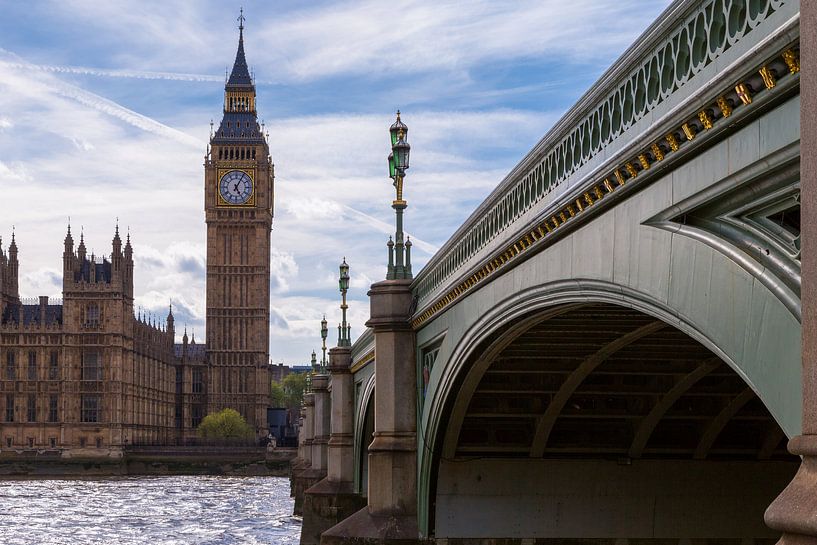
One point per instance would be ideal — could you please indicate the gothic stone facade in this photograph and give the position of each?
(89, 377)
(84, 375)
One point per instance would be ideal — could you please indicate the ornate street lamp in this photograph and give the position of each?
(396, 127)
(324, 334)
(398, 267)
(344, 329)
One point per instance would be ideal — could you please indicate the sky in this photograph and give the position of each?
(105, 111)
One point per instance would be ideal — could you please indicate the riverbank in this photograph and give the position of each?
(154, 461)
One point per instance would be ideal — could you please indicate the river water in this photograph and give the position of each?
(177, 510)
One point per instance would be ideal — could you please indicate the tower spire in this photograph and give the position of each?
(241, 73)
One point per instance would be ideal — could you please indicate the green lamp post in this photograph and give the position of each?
(344, 329)
(399, 267)
(324, 334)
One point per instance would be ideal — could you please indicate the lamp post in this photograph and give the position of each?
(324, 334)
(344, 329)
(399, 267)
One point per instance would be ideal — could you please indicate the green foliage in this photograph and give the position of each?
(289, 393)
(225, 424)
(294, 386)
(277, 395)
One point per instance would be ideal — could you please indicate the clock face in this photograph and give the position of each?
(235, 187)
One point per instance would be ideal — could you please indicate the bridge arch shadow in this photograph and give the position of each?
(581, 410)
(364, 435)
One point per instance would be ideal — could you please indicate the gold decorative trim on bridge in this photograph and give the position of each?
(738, 96)
(362, 362)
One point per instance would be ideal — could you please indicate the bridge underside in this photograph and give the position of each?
(605, 410)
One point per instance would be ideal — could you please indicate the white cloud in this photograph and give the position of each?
(361, 37)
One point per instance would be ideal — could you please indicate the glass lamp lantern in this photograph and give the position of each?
(401, 151)
(392, 167)
(394, 130)
(343, 282)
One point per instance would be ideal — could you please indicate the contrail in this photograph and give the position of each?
(388, 229)
(130, 117)
(109, 107)
(139, 74)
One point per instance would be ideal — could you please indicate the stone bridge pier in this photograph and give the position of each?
(333, 498)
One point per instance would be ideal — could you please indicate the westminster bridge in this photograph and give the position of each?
(609, 348)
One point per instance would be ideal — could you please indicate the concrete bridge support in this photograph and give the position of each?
(298, 463)
(320, 388)
(300, 473)
(391, 513)
(333, 498)
(794, 512)
(318, 402)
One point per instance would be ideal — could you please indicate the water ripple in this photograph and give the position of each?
(183, 510)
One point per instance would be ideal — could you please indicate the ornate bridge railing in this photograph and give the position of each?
(665, 90)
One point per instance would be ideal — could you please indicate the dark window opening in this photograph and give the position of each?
(53, 369)
(11, 373)
(196, 415)
(91, 367)
(53, 411)
(90, 408)
(32, 365)
(198, 381)
(9, 408)
(32, 408)
(92, 316)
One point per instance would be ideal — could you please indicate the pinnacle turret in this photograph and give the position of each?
(13, 247)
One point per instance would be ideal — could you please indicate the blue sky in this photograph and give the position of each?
(105, 110)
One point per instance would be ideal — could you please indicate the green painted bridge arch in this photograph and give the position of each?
(616, 330)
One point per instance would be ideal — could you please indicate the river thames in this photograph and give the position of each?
(178, 510)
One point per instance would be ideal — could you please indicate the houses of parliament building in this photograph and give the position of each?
(87, 376)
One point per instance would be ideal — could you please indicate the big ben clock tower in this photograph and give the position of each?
(238, 204)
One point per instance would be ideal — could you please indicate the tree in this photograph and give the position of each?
(225, 424)
(294, 386)
(277, 394)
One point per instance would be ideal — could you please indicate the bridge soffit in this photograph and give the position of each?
(552, 190)
(458, 374)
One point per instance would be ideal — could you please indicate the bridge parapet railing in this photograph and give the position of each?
(648, 82)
